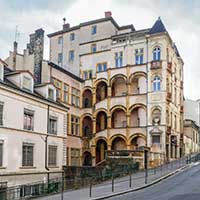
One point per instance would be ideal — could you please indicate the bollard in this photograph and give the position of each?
(90, 189)
(112, 183)
(130, 181)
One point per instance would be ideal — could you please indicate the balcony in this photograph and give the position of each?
(156, 64)
(121, 100)
(169, 67)
(169, 96)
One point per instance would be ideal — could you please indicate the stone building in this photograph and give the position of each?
(191, 137)
(123, 87)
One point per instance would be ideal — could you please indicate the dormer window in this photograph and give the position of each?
(51, 94)
(27, 83)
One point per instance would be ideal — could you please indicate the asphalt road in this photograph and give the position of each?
(183, 186)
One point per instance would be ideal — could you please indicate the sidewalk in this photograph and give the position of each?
(135, 181)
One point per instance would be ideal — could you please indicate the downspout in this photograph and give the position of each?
(147, 50)
(46, 146)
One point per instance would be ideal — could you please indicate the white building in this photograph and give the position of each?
(32, 129)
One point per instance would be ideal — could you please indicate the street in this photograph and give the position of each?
(183, 186)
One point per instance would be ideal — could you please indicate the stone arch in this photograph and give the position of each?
(118, 142)
(87, 158)
(87, 98)
(119, 85)
(101, 147)
(118, 117)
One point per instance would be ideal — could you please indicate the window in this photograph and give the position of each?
(26, 83)
(51, 94)
(60, 40)
(94, 30)
(119, 59)
(66, 93)
(71, 55)
(1, 153)
(52, 125)
(93, 48)
(138, 56)
(156, 139)
(101, 67)
(27, 155)
(52, 155)
(87, 75)
(156, 53)
(1, 113)
(75, 97)
(28, 119)
(156, 83)
(60, 58)
(57, 84)
(75, 125)
(72, 36)
(75, 157)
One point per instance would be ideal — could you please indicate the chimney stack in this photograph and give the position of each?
(66, 26)
(14, 54)
(108, 14)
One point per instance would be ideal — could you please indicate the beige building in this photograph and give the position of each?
(123, 87)
(191, 137)
(32, 129)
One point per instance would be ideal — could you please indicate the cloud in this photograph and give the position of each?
(181, 19)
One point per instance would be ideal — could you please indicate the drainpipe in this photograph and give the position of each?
(147, 50)
(46, 147)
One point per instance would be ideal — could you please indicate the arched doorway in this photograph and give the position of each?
(101, 91)
(101, 121)
(87, 159)
(87, 126)
(118, 144)
(101, 147)
(87, 99)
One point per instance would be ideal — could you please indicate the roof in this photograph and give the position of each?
(93, 22)
(158, 27)
(5, 64)
(10, 73)
(65, 71)
(9, 84)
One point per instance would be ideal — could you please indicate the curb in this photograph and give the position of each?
(143, 187)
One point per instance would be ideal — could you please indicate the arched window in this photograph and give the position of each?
(156, 83)
(156, 53)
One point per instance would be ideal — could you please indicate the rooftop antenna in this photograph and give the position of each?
(64, 20)
(17, 33)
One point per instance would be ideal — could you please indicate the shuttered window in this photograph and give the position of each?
(52, 156)
(27, 155)
(1, 114)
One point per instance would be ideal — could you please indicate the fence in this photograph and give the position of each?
(95, 180)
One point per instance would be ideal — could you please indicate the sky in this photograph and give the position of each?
(181, 19)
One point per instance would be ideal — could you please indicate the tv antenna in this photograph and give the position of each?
(17, 32)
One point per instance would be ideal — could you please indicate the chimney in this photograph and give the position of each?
(14, 54)
(36, 47)
(66, 26)
(108, 14)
